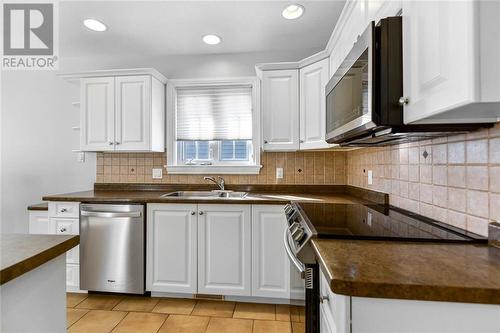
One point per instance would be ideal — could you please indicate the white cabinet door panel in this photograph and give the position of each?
(224, 249)
(171, 260)
(438, 48)
(39, 222)
(270, 264)
(280, 110)
(313, 80)
(133, 112)
(97, 109)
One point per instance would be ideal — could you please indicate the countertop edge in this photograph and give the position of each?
(9, 273)
(407, 291)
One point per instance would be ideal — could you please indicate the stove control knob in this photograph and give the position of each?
(298, 234)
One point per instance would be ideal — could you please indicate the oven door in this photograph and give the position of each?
(349, 101)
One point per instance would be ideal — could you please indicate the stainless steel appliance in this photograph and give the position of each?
(364, 106)
(355, 221)
(112, 248)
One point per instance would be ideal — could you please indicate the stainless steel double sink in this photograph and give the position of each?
(216, 194)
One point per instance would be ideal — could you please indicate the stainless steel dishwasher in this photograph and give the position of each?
(112, 248)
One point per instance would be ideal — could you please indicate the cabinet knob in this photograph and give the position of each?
(62, 229)
(265, 141)
(110, 143)
(117, 143)
(323, 299)
(192, 213)
(201, 213)
(63, 210)
(403, 100)
(301, 141)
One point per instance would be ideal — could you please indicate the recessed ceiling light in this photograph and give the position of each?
(94, 25)
(212, 39)
(293, 12)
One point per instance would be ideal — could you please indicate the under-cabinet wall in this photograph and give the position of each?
(458, 183)
(321, 167)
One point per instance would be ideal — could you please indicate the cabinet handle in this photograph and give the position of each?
(62, 229)
(63, 210)
(111, 143)
(301, 141)
(117, 143)
(323, 299)
(403, 101)
(201, 213)
(265, 141)
(192, 213)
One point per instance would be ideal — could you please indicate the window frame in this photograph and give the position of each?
(229, 166)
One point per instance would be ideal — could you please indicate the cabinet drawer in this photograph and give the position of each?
(72, 277)
(64, 209)
(66, 226)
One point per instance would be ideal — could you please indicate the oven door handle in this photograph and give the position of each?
(300, 266)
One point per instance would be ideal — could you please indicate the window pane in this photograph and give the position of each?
(189, 150)
(203, 150)
(241, 150)
(227, 150)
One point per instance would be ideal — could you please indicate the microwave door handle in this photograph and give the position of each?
(110, 214)
(293, 258)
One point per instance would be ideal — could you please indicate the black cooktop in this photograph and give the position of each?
(356, 221)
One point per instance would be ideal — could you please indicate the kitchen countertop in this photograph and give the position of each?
(416, 271)
(20, 253)
(41, 206)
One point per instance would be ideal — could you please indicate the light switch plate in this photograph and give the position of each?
(279, 173)
(370, 177)
(157, 173)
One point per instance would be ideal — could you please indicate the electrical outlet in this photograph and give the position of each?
(279, 173)
(157, 173)
(370, 177)
(80, 157)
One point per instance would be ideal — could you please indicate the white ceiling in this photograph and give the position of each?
(159, 28)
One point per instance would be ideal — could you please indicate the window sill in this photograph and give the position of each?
(212, 169)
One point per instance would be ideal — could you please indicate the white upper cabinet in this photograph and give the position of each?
(450, 60)
(97, 114)
(122, 113)
(313, 79)
(171, 248)
(224, 249)
(280, 110)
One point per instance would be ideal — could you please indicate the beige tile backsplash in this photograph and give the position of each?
(324, 167)
(458, 183)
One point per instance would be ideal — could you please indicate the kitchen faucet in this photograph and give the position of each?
(221, 183)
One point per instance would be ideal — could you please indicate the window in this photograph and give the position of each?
(214, 126)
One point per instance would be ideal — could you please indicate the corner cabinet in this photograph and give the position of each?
(313, 80)
(451, 72)
(224, 250)
(280, 110)
(171, 248)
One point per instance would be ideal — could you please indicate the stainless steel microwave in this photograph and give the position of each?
(364, 103)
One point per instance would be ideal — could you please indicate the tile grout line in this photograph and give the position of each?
(67, 328)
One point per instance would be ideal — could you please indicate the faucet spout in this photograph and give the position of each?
(220, 182)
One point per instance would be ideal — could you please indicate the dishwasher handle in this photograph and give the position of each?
(110, 214)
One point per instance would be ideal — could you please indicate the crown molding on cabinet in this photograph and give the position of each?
(292, 64)
(76, 76)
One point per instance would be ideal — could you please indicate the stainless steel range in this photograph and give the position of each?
(355, 221)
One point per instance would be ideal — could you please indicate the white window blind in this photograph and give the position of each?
(214, 113)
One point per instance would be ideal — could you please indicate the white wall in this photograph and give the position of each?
(36, 138)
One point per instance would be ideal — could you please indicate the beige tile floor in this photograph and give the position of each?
(124, 314)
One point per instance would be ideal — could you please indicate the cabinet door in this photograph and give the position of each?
(438, 62)
(39, 222)
(313, 80)
(224, 249)
(97, 114)
(280, 110)
(270, 264)
(133, 112)
(68, 227)
(171, 248)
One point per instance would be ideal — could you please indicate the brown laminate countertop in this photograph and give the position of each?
(20, 253)
(416, 271)
(41, 206)
(155, 197)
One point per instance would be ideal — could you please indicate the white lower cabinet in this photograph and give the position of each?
(270, 264)
(171, 260)
(335, 313)
(39, 222)
(230, 250)
(224, 250)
